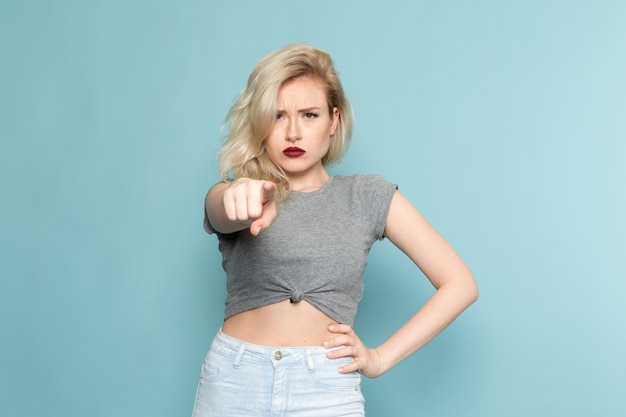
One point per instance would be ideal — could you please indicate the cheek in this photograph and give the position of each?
(325, 145)
(271, 141)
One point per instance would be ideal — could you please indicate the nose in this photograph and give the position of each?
(293, 131)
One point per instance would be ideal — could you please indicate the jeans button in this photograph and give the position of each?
(277, 355)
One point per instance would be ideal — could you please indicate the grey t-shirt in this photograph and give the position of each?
(315, 250)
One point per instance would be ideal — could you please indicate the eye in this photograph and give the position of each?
(279, 116)
(310, 115)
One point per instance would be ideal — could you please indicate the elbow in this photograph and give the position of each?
(466, 289)
(474, 295)
(463, 290)
(472, 290)
(462, 287)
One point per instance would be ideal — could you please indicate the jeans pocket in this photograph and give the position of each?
(217, 367)
(326, 376)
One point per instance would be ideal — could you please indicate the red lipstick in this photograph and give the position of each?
(293, 152)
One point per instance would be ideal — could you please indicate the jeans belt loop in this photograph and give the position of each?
(240, 353)
(309, 360)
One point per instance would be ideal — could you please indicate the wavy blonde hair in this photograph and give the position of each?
(252, 117)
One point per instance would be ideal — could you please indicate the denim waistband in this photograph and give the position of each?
(239, 350)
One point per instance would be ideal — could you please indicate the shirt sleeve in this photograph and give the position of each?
(207, 225)
(376, 195)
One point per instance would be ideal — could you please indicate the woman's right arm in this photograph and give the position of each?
(241, 204)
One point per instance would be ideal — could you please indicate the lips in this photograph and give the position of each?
(293, 152)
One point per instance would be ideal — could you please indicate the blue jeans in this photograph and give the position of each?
(240, 379)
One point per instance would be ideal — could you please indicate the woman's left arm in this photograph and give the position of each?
(455, 288)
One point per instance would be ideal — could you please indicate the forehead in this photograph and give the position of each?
(302, 91)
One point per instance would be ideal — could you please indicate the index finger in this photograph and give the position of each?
(269, 189)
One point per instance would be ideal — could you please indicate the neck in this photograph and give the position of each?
(310, 183)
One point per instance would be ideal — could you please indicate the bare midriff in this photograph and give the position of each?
(282, 324)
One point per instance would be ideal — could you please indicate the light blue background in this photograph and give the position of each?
(504, 122)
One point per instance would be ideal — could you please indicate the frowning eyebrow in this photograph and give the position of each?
(303, 110)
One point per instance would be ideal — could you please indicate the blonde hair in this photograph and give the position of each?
(251, 119)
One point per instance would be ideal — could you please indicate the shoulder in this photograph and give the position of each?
(362, 181)
(366, 189)
(369, 197)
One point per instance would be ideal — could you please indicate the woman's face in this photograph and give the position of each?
(301, 134)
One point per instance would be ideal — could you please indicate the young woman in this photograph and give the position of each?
(295, 241)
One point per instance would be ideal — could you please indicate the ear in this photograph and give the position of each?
(334, 121)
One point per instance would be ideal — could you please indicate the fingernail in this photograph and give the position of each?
(331, 327)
